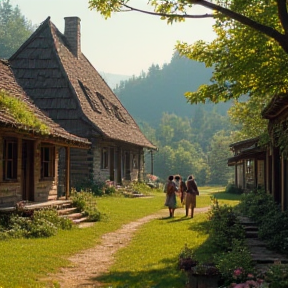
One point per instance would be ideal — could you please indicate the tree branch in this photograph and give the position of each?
(282, 39)
(168, 15)
(282, 13)
(273, 33)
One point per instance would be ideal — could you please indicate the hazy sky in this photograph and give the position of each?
(127, 43)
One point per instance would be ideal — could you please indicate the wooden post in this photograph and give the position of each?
(267, 175)
(67, 192)
(282, 184)
(152, 168)
(236, 175)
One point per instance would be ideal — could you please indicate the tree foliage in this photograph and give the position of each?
(151, 93)
(218, 156)
(187, 146)
(248, 55)
(14, 29)
(183, 133)
(238, 11)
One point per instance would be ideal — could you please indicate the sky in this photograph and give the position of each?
(127, 43)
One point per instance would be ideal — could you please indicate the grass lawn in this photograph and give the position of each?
(150, 259)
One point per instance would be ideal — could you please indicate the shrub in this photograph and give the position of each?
(237, 259)
(272, 222)
(96, 188)
(224, 226)
(42, 223)
(51, 216)
(256, 204)
(277, 276)
(233, 189)
(85, 201)
(40, 227)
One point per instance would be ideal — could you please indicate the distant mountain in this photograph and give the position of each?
(113, 79)
(161, 90)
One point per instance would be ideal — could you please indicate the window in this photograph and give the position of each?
(47, 162)
(250, 172)
(118, 114)
(104, 158)
(90, 97)
(111, 109)
(135, 161)
(10, 159)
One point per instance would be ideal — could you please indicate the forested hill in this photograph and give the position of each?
(149, 95)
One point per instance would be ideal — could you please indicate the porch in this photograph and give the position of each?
(28, 205)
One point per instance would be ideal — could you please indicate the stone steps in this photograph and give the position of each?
(261, 256)
(66, 211)
(63, 206)
(70, 212)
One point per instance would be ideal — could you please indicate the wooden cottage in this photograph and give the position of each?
(29, 146)
(62, 82)
(277, 164)
(249, 162)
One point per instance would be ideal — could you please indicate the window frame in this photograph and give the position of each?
(135, 161)
(47, 165)
(10, 171)
(105, 158)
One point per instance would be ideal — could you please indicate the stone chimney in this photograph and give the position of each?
(73, 35)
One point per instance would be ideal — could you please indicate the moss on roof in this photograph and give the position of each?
(21, 113)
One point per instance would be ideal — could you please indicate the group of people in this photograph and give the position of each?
(186, 191)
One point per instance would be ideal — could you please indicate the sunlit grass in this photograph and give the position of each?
(24, 261)
(150, 259)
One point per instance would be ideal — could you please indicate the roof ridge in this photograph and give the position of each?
(31, 37)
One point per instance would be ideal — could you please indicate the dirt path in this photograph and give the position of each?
(93, 262)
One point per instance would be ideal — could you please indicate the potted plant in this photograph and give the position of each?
(205, 275)
(186, 259)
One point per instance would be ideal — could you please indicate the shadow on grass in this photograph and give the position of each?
(226, 196)
(168, 277)
(175, 220)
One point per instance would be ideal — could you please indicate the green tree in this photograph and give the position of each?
(245, 62)
(164, 162)
(14, 29)
(190, 159)
(205, 124)
(238, 11)
(221, 173)
(173, 128)
(249, 55)
(183, 148)
(245, 115)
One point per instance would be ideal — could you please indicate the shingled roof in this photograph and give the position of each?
(55, 133)
(63, 80)
(275, 107)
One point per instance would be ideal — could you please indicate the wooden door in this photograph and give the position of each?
(27, 170)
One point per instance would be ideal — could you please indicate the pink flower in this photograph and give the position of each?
(241, 285)
(250, 276)
(237, 272)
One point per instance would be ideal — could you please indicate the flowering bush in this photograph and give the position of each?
(152, 178)
(244, 280)
(152, 181)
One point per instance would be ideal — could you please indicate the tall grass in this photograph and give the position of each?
(151, 255)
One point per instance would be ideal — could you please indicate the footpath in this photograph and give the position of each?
(261, 256)
(89, 264)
